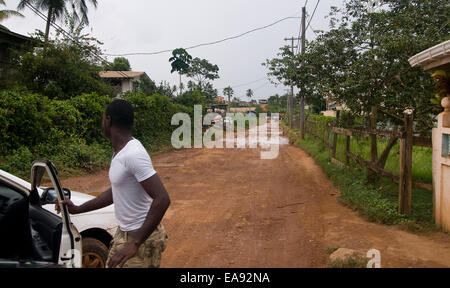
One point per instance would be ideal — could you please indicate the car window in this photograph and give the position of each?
(8, 197)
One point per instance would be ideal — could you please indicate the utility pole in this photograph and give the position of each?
(290, 102)
(302, 98)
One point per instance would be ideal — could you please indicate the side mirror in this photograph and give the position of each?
(49, 195)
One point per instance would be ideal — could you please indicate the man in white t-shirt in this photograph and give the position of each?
(139, 197)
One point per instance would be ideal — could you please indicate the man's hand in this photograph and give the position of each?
(73, 209)
(123, 255)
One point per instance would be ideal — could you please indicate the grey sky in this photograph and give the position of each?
(147, 26)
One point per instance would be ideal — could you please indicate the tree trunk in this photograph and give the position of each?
(372, 176)
(181, 88)
(385, 155)
(49, 21)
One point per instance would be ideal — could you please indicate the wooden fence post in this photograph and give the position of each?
(347, 142)
(302, 118)
(335, 136)
(405, 183)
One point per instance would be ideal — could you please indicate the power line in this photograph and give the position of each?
(260, 87)
(209, 43)
(245, 84)
(307, 26)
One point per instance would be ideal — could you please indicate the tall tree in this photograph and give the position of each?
(202, 71)
(180, 62)
(228, 91)
(5, 14)
(55, 10)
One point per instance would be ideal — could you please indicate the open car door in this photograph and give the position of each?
(71, 247)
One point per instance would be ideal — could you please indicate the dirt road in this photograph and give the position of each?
(232, 209)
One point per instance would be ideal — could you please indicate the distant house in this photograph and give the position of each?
(264, 101)
(220, 99)
(332, 106)
(124, 81)
(9, 39)
(242, 110)
(244, 104)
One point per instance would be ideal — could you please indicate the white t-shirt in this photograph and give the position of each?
(129, 167)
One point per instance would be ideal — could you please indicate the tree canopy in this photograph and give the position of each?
(119, 64)
(56, 9)
(362, 61)
(201, 70)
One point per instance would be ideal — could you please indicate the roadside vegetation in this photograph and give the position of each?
(52, 101)
(360, 66)
(376, 202)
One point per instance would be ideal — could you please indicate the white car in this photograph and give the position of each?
(50, 234)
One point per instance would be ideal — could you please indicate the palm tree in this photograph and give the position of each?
(228, 91)
(5, 14)
(249, 93)
(56, 10)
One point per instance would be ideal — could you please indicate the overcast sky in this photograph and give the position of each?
(148, 26)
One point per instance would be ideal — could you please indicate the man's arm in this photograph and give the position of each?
(161, 202)
(103, 200)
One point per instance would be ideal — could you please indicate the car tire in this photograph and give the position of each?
(95, 253)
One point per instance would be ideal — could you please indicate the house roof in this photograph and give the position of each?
(7, 36)
(122, 74)
(433, 58)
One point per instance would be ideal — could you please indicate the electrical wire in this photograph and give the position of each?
(59, 28)
(245, 84)
(208, 43)
(312, 16)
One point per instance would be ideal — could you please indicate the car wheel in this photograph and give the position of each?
(95, 253)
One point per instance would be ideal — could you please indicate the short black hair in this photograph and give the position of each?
(121, 113)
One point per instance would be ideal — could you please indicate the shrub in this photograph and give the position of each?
(27, 121)
(19, 162)
(153, 115)
(91, 108)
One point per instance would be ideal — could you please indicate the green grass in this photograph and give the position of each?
(377, 203)
(355, 261)
(422, 156)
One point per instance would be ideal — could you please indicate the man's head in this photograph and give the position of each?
(118, 118)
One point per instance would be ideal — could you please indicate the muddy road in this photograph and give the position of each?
(232, 209)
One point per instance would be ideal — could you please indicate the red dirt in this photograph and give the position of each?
(232, 209)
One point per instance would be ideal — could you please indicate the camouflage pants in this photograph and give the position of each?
(149, 253)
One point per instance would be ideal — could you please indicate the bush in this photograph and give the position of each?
(60, 71)
(91, 108)
(19, 162)
(64, 117)
(27, 121)
(153, 115)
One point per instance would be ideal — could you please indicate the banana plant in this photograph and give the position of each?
(5, 14)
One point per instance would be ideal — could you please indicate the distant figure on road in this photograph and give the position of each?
(139, 197)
